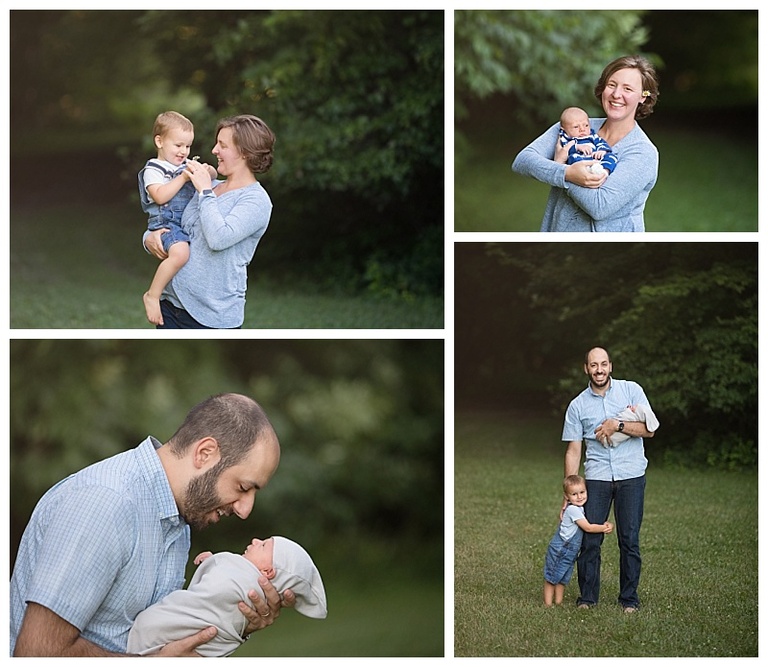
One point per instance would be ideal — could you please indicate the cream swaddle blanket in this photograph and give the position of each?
(637, 413)
(219, 583)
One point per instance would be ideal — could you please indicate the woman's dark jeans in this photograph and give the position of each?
(627, 497)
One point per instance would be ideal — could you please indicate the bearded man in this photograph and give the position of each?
(107, 542)
(615, 475)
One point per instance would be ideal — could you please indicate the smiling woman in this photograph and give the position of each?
(225, 221)
(581, 200)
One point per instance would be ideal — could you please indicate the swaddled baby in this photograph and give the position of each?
(632, 413)
(220, 582)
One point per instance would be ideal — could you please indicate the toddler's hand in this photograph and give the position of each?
(186, 172)
(201, 557)
(608, 527)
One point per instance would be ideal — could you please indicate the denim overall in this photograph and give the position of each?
(168, 215)
(561, 557)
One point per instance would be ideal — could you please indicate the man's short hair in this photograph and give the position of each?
(235, 421)
(596, 347)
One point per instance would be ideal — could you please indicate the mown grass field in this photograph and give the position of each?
(84, 268)
(373, 612)
(699, 543)
(697, 189)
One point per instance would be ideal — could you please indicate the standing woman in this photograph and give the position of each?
(581, 201)
(225, 221)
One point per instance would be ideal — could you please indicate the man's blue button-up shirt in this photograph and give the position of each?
(101, 546)
(586, 412)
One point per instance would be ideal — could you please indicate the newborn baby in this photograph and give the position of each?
(632, 413)
(220, 582)
(585, 144)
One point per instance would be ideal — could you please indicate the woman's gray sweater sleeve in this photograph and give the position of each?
(636, 171)
(536, 160)
(615, 206)
(249, 216)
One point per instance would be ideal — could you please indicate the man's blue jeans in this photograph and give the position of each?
(627, 497)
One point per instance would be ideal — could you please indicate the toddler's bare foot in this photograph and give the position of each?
(152, 306)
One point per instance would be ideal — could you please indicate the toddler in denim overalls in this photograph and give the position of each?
(165, 191)
(564, 546)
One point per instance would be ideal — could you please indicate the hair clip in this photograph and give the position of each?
(646, 93)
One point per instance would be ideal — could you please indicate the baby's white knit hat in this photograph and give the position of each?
(295, 570)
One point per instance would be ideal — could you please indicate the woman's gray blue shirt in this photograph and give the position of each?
(616, 206)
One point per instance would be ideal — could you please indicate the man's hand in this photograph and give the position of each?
(185, 648)
(264, 611)
(604, 432)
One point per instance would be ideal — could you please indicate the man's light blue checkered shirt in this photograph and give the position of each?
(586, 412)
(101, 546)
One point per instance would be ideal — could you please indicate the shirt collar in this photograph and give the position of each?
(607, 391)
(157, 480)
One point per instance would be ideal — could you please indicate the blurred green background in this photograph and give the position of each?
(516, 70)
(681, 319)
(360, 482)
(356, 101)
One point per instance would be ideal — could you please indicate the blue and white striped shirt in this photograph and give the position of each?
(101, 546)
(586, 412)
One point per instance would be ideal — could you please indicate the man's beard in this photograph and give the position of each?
(202, 498)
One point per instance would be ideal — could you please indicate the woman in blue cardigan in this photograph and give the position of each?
(225, 220)
(581, 200)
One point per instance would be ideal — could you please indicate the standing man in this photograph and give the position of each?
(112, 539)
(614, 475)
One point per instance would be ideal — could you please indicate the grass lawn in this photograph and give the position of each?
(385, 596)
(364, 620)
(75, 268)
(698, 590)
(695, 191)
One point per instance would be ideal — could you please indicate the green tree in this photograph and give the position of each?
(85, 73)
(546, 59)
(360, 422)
(356, 98)
(680, 319)
(695, 337)
(356, 101)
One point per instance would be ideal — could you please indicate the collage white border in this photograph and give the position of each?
(451, 237)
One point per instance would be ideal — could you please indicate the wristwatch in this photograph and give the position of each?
(207, 193)
(621, 426)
